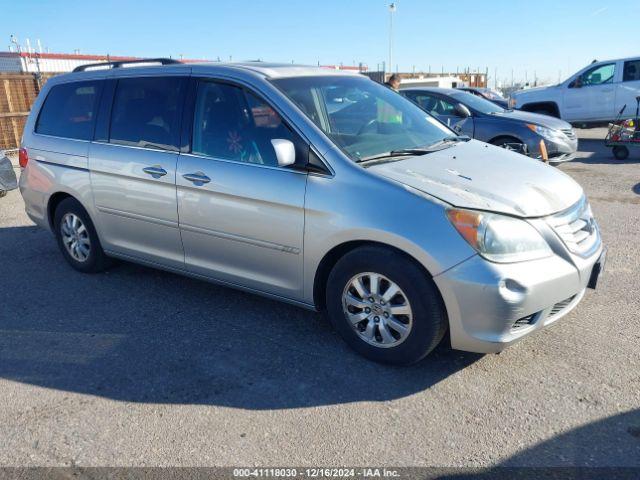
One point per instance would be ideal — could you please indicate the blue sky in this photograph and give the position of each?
(545, 37)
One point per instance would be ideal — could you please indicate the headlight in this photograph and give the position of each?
(548, 133)
(499, 238)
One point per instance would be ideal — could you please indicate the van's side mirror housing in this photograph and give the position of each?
(462, 110)
(285, 151)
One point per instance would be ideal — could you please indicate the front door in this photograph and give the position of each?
(133, 170)
(591, 95)
(241, 215)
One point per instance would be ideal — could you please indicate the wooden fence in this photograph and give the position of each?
(17, 93)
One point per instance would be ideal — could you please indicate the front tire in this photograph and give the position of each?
(384, 306)
(510, 143)
(620, 152)
(77, 238)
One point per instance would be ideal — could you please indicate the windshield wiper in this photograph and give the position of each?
(417, 151)
(447, 141)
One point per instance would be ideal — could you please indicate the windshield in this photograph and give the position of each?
(492, 94)
(362, 117)
(477, 103)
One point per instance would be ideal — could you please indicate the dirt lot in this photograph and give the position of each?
(141, 367)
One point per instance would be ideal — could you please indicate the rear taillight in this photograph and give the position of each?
(23, 157)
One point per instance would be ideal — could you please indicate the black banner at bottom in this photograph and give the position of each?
(399, 473)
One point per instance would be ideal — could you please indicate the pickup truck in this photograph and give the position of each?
(594, 95)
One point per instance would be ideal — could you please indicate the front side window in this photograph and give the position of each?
(436, 106)
(599, 75)
(426, 102)
(146, 112)
(233, 124)
(69, 110)
(631, 71)
(361, 116)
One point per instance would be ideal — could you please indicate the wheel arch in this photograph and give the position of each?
(549, 106)
(55, 200)
(337, 252)
(504, 136)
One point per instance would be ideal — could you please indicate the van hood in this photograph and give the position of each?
(480, 176)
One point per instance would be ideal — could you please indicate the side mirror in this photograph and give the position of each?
(462, 110)
(285, 151)
(577, 83)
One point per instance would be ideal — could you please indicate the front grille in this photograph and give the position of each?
(577, 228)
(524, 322)
(570, 133)
(558, 307)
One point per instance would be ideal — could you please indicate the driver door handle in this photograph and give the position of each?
(156, 171)
(197, 178)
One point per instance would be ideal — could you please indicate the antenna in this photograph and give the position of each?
(392, 9)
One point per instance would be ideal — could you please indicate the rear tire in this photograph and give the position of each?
(620, 152)
(77, 238)
(401, 329)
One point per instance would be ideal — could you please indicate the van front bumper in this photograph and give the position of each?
(491, 306)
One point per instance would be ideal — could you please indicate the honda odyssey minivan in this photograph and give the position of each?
(316, 187)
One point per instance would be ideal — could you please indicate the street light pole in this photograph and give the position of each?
(392, 9)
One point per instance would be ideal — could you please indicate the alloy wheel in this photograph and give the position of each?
(377, 309)
(75, 237)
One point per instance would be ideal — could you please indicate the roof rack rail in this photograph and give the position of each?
(120, 63)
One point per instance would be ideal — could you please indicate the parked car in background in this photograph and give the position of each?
(8, 179)
(487, 94)
(484, 120)
(594, 95)
(369, 209)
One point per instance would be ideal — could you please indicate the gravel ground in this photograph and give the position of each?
(141, 367)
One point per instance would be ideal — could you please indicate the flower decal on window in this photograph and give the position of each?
(235, 142)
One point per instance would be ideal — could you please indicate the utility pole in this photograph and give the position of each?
(392, 9)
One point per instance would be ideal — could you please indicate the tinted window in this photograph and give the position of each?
(146, 112)
(631, 71)
(69, 110)
(236, 125)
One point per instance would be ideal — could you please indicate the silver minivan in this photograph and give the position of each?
(317, 187)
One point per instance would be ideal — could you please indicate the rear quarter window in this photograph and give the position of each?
(69, 110)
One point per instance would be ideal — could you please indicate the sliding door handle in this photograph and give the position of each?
(197, 178)
(156, 171)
